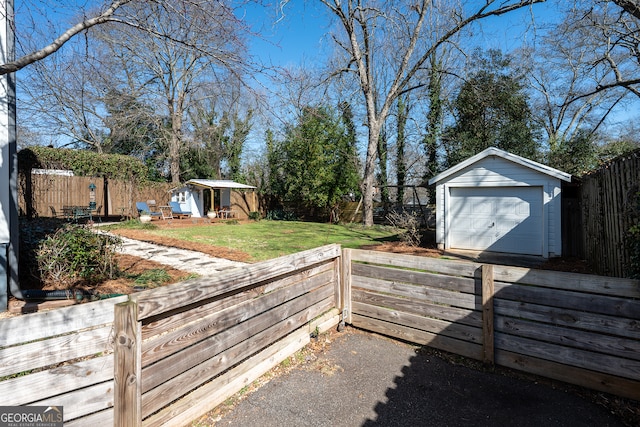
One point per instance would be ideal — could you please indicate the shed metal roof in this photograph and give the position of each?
(492, 151)
(218, 183)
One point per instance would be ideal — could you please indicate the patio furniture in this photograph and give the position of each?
(54, 213)
(226, 213)
(143, 207)
(166, 213)
(177, 210)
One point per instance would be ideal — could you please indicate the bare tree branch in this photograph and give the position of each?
(30, 58)
(630, 6)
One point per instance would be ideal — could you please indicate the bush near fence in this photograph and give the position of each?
(167, 355)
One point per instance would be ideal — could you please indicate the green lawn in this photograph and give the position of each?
(270, 239)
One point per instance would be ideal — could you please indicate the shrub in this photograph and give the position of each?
(281, 215)
(75, 252)
(408, 226)
(254, 216)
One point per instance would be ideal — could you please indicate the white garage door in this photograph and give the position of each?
(498, 219)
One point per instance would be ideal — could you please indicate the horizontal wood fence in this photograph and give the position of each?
(610, 199)
(62, 357)
(168, 355)
(183, 349)
(577, 328)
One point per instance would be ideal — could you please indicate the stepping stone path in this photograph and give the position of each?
(181, 259)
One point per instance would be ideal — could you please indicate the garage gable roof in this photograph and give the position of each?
(492, 151)
(218, 183)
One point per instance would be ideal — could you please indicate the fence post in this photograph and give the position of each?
(127, 402)
(487, 314)
(346, 286)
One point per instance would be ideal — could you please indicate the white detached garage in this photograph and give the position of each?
(499, 202)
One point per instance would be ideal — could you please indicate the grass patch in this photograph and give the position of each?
(150, 278)
(131, 224)
(268, 239)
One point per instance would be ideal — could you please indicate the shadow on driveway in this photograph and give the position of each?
(363, 379)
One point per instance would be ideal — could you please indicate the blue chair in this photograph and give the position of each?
(143, 207)
(177, 210)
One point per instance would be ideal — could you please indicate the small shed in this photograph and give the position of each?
(500, 202)
(200, 196)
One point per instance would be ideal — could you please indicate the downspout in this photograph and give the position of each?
(9, 256)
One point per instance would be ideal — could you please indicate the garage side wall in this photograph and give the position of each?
(498, 172)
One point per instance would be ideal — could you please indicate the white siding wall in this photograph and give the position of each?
(495, 171)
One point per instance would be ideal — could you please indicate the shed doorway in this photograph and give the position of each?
(211, 199)
(497, 219)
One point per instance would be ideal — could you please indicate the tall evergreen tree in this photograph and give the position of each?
(313, 167)
(491, 110)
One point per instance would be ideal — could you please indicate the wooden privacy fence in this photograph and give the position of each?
(45, 194)
(577, 328)
(183, 349)
(610, 199)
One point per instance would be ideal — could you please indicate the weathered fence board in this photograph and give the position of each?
(526, 319)
(418, 336)
(55, 381)
(38, 326)
(418, 292)
(204, 328)
(603, 324)
(53, 350)
(609, 198)
(173, 297)
(196, 333)
(179, 386)
(590, 379)
(553, 334)
(195, 355)
(61, 357)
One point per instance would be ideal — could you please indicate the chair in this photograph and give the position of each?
(177, 210)
(166, 212)
(54, 213)
(143, 207)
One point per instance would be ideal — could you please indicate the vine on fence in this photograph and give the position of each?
(83, 163)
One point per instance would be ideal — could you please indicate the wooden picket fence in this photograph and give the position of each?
(166, 356)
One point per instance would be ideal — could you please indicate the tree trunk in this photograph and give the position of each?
(175, 144)
(368, 189)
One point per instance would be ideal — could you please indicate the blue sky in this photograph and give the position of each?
(301, 34)
(292, 35)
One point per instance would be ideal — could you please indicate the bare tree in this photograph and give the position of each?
(562, 80)
(366, 25)
(630, 6)
(102, 14)
(613, 36)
